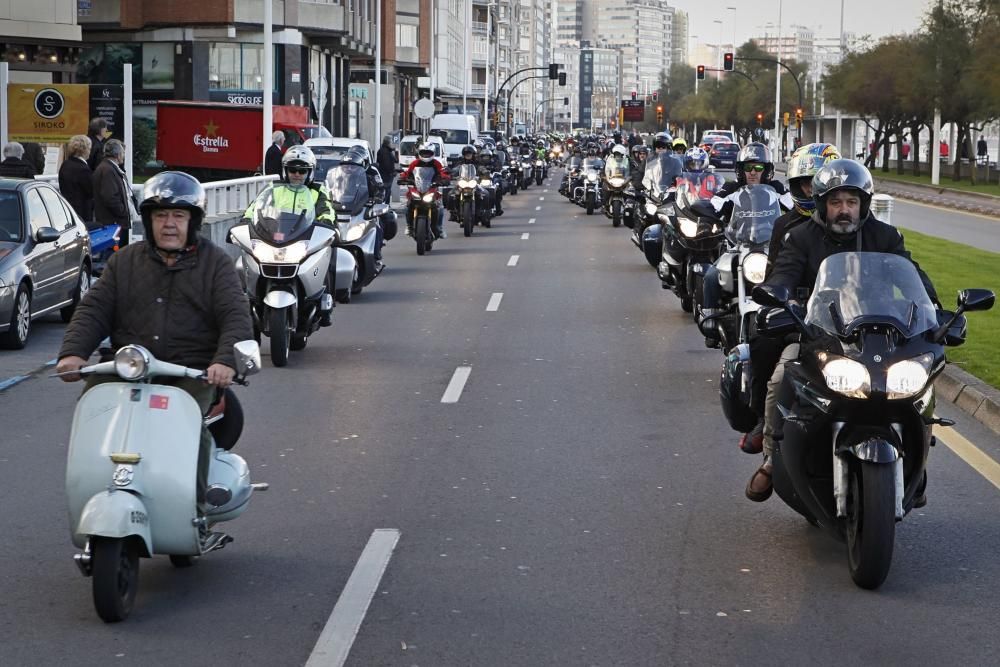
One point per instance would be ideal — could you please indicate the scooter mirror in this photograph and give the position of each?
(775, 296)
(975, 299)
(247, 357)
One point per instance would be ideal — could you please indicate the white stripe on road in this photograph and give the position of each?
(531, 222)
(524, 236)
(541, 199)
(334, 643)
(457, 384)
(513, 260)
(494, 304)
(538, 208)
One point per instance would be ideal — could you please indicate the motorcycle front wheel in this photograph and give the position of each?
(115, 570)
(280, 340)
(590, 203)
(871, 522)
(468, 217)
(420, 234)
(616, 213)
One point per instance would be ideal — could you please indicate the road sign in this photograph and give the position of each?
(633, 110)
(423, 109)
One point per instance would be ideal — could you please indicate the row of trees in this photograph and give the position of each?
(952, 63)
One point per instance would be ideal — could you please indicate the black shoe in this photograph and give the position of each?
(499, 212)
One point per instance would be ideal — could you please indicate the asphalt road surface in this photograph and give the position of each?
(579, 503)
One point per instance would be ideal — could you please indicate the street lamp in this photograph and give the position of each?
(733, 10)
(719, 47)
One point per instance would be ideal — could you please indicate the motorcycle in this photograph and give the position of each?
(469, 198)
(858, 403)
(588, 194)
(284, 265)
(572, 177)
(103, 243)
(526, 171)
(616, 174)
(660, 177)
(514, 181)
(742, 265)
(143, 501)
(540, 171)
(424, 209)
(357, 221)
(691, 242)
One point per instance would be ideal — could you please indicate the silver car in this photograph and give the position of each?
(45, 262)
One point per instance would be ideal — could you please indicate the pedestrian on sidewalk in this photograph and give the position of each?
(982, 152)
(13, 166)
(114, 203)
(272, 159)
(98, 133)
(385, 162)
(76, 179)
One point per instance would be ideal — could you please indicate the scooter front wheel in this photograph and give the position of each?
(115, 567)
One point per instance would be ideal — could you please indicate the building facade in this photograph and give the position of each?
(40, 40)
(600, 87)
(643, 31)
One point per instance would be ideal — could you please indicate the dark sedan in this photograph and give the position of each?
(45, 260)
(723, 154)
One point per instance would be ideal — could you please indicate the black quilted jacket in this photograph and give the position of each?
(191, 313)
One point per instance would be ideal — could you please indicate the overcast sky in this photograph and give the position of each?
(875, 17)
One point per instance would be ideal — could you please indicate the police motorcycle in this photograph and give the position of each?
(470, 198)
(424, 210)
(858, 402)
(131, 472)
(574, 171)
(588, 193)
(741, 266)
(660, 178)
(514, 175)
(357, 222)
(284, 264)
(527, 169)
(692, 240)
(616, 180)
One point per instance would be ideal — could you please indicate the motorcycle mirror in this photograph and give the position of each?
(774, 296)
(247, 357)
(975, 299)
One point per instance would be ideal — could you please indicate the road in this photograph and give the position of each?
(580, 504)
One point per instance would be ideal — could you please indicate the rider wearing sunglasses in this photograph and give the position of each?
(753, 167)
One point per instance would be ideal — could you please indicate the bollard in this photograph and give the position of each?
(882, 207)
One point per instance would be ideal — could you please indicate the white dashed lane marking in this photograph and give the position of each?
(457, 384)
(531, 222)
(513, 260)
(524, 236)
(494, 304)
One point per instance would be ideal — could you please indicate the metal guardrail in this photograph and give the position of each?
(223, 197)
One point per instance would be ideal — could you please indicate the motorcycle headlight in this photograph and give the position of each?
(754, 267)
(591, 176)
(538, 163)
(131, 363)
(354, 233)
(429, 197)
(847, 377)
(909, 377)
(486, 182)
(689, 228)
(650, 208)
(616, 182)
(289, 254)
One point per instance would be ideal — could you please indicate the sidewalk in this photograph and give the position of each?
(971, 202)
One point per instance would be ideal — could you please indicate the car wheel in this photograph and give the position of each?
(82, 287)
(16, 337)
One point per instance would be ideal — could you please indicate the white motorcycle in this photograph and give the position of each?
(131, 474)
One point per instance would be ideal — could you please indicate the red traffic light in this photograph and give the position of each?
(655, 95)
(727, 62)
(634, 94)
(701, 72)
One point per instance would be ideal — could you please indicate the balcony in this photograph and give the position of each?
(479, 27)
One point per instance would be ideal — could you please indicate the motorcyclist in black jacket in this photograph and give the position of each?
(842, 222)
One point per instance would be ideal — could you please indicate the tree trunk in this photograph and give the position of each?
(973, 167)
(916, 148)
(956, 172)
(899, 152)
(886, 147)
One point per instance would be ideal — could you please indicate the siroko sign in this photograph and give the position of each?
(46, 113)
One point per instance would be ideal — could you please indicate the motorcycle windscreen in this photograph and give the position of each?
(348, 186)
(423, 178)
(575, 161)
(696, 186)
(616, 168)
(661, 173)
(594, 163)
(468, 172)
(754, 212)
(283, 218)
(856, 288)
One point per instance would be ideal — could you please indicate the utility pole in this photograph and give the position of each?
(777, 85)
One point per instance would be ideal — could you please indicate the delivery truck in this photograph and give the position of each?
(215, 141)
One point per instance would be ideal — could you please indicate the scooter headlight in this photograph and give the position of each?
(650, 208)
(429, 197)
(616, 182)
(354, 233)
(132, 363)
(846, 376)
(689, 228)
(289, 254)
(591, 176)
(908, 377)
(754, 267)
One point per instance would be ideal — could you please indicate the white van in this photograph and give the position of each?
(411, 142)
(456, 130)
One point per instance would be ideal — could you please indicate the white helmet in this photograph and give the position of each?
(297, 158)
(619, 151)
(426, 152)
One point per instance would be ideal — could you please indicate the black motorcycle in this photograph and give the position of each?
(858, 402)
(588, 193)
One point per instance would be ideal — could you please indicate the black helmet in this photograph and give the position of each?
(842, 174)
(639, 148)
(173, 189)
(356, 155)
(754, 152)
(468, 152)
(661, 140)
(486, 156)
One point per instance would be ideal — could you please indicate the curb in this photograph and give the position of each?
(964, 201)
(971, 395)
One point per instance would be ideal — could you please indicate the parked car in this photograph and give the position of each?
(723, 154)
(45, 260)
(411, 142)
(334, 148)
(709, 140)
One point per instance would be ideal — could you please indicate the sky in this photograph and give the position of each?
(877, 18)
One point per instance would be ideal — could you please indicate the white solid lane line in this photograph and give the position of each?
(494, 304)
(531, 222)
(513, 260)
(457, 384)
(524, 236)
(334, 643)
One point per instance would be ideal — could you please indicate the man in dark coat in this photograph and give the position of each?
(98, 133)
(272, 159)
(113, 202)
(13, 166)
(76, 180)
(385, 161)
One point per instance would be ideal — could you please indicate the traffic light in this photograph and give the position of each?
(659, 114)
(553, 71)
(634, 94)
(760, 120)
(655, 95)
(727, 62)
(701, 72)
(785, 118)
(798, 117)
(562, 78)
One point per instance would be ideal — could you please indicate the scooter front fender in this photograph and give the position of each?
(279, 299)
(116, 514)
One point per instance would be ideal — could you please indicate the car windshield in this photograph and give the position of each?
(316, 132)
(616, 167)
(10, 216)
(285, 218)
(453, 136)
(408, 148)
(323, 167)
(348, 186)
(331, 152)
(423, 178)
(855, 288)
(755, 209)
